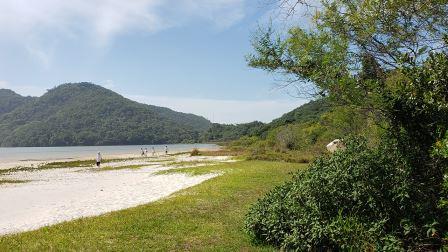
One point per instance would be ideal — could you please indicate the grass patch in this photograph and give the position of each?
(177, 154)
(109, 168)
(66, 164)
(201, 170)
(206, 217)
(52, 165)
(79, 164)
(12, 181)
(192, 163)
(160, 160)
(223, 152)
(288, 156)
(15, 169)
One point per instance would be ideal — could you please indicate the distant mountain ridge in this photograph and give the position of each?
(88, 114)
(9, 100)
(308, 112)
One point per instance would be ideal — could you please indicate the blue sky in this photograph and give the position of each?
(185, 54)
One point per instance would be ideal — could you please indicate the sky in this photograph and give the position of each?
(188, 55)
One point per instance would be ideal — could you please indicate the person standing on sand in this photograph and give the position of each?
(153, 151)
(166, 150)
(142, 152)
(146, 152)
(98, 159)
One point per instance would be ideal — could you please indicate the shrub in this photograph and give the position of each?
(195, 152)
(357, 199)
(286, 139)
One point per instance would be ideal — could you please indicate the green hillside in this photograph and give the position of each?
(309, 112)
(87, 114)
(9, 100)
(302, 134)
(227, 132)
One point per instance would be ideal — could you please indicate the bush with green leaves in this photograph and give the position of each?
(358, 199)
(389, 58)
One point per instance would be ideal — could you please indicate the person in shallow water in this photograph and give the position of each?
(98, 159)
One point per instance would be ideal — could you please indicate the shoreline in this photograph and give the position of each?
(115, 154)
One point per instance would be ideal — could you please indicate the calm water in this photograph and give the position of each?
(19, 154)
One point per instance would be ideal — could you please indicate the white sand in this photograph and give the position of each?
(59, 195)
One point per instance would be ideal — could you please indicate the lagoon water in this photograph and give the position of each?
(18, 155)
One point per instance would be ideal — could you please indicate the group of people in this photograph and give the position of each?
(144, 153)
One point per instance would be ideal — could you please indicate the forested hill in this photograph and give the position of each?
(87, 114)
(227, 132)
(307, 113)
(9, 100)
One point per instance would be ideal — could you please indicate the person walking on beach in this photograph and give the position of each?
(166, 150)
(153, 151)
(146, 152)
(99, 158)
(142, 152)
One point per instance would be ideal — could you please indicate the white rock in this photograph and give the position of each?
(335, 145)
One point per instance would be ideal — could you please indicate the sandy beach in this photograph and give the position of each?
(57, 195)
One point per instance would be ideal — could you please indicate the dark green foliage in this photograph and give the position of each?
(357, 199)
(391, 196)
(226, 132)
(306, 134)
(418, 115)
(9, 101)
(87, 114)
(308, 112)
(389, 59)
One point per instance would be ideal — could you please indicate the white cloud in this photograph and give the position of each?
(223, 13)
(109, 84)
(104, 19)
(41, 55)
(38, 25)
(24, 90)
(4, 84)
(224, 111)
(27, 90)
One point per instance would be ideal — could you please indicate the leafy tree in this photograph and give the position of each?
(388, 58)
(350, 37)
